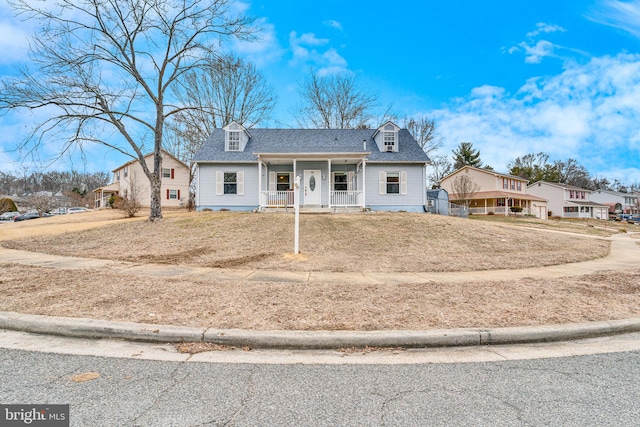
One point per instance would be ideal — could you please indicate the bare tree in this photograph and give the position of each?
(424, 131)
(439, 167)
(109, 65)
(464, 189)
(42, 202)
(226, 89)
(129, 203)
(335, 101)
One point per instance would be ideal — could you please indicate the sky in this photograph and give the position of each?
(512, 77)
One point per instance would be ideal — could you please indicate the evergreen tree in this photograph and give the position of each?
(466, 155)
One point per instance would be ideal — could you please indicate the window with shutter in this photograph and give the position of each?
(393, 182)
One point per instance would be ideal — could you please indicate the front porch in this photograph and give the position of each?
(103, 194)
(501, 206)
(327, 184)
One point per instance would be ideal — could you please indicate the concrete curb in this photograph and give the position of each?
(312, 340)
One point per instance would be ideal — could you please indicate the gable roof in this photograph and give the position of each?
(311, 141)
(559, 185)
(487, 171)
(151, 154)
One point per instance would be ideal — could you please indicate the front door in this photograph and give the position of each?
(312, 187)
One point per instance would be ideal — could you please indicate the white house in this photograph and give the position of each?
(247, 169)
(568, 201)
(617, 202)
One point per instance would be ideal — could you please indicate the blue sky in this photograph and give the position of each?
(512, 77)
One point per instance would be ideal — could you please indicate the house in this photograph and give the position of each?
(129, 181)
(242, 169)
(492, 192)
(568, 201)
(618, 203)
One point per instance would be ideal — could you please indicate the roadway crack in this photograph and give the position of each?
(247, 397)
(174, 382)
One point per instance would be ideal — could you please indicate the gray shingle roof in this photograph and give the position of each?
(304, 141)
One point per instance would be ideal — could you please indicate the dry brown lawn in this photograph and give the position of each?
(374, 242)
(371, 242)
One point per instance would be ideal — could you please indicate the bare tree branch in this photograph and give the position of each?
(334, 102)
(101, 65)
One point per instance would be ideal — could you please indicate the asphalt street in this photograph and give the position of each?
(587, 390)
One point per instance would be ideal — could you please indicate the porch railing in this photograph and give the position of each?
(497, 210)
(577, 214)
(276, 199)
(346, 198)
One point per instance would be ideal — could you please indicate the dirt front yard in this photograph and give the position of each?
(370, 242)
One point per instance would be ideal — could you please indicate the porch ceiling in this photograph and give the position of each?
(113, 187)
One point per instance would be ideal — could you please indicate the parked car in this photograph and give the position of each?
(8, 216)
(634, 219)
(28, 215)
(77, 209)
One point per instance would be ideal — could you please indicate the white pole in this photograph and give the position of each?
(296, 205)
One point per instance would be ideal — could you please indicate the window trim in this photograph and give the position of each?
(228, 184)
(383, 181)
(344, 185)
(233, 136)
(389, 139)
(220, 184)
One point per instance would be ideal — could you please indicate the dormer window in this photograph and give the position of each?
(389, 141)
(234, 140)
(236, 137)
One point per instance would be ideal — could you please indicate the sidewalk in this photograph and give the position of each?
(624, 255)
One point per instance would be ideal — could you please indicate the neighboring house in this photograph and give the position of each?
(242, 169)
(495, 193)
(618, 203)
(438, 201)
(568, 201)
(130, 181)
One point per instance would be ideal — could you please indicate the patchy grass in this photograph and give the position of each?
(339, 242)
(323, 306)
(373, 242)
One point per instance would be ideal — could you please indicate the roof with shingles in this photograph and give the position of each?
(487, 171)
(308, 141)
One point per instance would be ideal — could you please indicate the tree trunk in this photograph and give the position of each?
(155, 179)
(155, 213)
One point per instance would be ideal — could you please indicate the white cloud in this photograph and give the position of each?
(589, 112)
(309, 39)
(535, 53)
(306, 51)
(265, 49)
(14, 36)
(545, 28)
(624, 15)
(536, 50)
(333, 24)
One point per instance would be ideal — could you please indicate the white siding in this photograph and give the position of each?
(415, 185)
(207, 183)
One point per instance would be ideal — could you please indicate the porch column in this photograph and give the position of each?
(259, 182)
(364, 182)
(295, 174)
(485, 206)
(329, 183)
